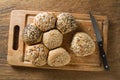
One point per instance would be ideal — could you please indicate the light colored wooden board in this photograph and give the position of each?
(89, 63)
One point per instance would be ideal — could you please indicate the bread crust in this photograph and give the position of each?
(31, 34)
(45, 21)
(52, 39)
(66, 23)
(82, 44)
(37, 54)
(58, 57)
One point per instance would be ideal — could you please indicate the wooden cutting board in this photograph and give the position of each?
(16, 47)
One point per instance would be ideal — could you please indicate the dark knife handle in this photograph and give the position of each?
(103, 56)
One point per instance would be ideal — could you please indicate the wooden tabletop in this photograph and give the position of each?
(110, 8)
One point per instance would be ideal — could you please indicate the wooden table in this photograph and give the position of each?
(111, 8)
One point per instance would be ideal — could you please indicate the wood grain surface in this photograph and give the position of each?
(17, 48)
(111, 8)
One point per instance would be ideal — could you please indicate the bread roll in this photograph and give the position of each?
(58, 57)
(45, 21)
(66, 23)
(82, 44)
(37, 54)
(52, 39)
(32, 34)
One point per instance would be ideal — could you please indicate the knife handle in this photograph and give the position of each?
(103, 56)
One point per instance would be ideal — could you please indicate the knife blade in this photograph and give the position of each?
(100, 42)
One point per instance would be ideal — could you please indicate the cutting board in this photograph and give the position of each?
(16, 47)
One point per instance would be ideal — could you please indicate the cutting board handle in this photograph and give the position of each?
(16, 37)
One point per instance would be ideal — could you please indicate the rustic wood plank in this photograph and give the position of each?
(111, 8)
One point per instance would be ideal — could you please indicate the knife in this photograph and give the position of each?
(100, 42)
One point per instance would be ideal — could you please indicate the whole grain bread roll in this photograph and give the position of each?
(37, 54)
(31, 34)
(45, 21)
(82, 44)
(52, 39)
(66, 23)
(58, 57)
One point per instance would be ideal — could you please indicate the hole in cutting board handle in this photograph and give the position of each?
(16, 37)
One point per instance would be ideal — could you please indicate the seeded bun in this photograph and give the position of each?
(37, 54)
(45, 21)
(66, 23)
(31, 34)
(52, 39)
(82, 44)
(58, 57)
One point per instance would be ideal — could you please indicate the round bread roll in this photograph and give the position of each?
(58, 57)
(66, 23)
(37, 54)
(31, 34)
(45, 21)
(82, 44)
(52, 39)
